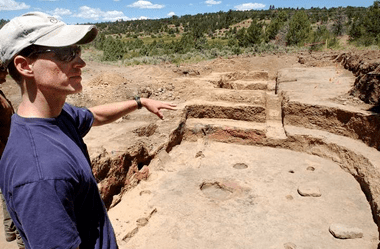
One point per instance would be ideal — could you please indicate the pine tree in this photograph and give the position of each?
(338, 25)
(299, 29)
(113, 49)
(242, 37)
(254, 33)
(275, 25)
(366, 28)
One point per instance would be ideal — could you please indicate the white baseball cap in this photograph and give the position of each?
(40, 29)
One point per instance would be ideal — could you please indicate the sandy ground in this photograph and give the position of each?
(3, 243)
(208, 194)
(258, 205)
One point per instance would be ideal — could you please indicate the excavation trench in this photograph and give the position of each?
(329, 137)
(262, 120)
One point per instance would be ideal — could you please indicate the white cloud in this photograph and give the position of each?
(59, 12)
(141, 4)
(249, 6)
(12, 5)
(171, 13)
(86, 12)
(89, 13)
(114, 16)
(140, 18)
(212, 2)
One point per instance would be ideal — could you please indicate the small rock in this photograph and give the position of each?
(289, 197)
(340, 231)
(301, 60)
(309, 191)
(199, 154)
(290, 245)
(142, 222)
(310, 168)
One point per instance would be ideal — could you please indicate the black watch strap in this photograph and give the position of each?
(138, 100)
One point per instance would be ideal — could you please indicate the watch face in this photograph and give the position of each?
(139, 105)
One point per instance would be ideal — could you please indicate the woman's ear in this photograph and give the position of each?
(24, 66)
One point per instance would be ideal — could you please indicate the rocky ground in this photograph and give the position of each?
(276, 151)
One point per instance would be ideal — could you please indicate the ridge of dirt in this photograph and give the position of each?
(366, 67)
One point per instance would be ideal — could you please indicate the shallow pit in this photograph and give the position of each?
(215, 190)
(240, 166)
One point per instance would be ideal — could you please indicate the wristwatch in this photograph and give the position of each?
(137, 98)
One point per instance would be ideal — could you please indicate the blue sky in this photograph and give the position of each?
(91, 11)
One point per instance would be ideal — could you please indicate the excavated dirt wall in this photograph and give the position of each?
(120, 172)
(246, 113)
(117, 174)
(337, 121)
(366, 67)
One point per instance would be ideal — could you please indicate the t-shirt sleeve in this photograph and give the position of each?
(82, 117)
(52, 201)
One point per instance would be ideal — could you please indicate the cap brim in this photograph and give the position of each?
(68, 35)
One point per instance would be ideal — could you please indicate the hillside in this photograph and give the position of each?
(224, 34)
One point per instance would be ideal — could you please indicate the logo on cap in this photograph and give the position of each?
(53, 19)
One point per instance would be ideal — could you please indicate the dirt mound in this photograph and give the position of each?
(107, 79)
(189, 71)
(230, 64)
(102, 87)
(317, 59)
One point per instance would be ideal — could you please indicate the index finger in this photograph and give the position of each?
(168, 106)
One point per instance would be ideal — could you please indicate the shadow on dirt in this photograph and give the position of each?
(375, 109)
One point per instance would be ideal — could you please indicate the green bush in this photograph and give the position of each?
(365, 29)
(236, 50)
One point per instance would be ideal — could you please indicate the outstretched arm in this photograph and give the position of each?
(108, 113)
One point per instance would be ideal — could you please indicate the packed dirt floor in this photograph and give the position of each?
(274, 151)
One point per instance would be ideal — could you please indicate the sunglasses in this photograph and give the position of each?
(65, 54)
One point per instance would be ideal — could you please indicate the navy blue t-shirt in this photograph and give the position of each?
(46, 179)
